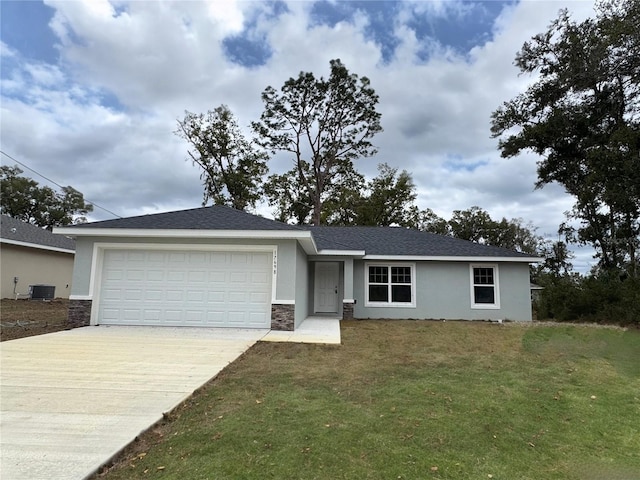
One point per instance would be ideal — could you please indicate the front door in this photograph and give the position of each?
(326, 287)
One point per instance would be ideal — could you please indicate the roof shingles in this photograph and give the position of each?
(391, 241)
(397, 241)
(15, 230)
(216, 217)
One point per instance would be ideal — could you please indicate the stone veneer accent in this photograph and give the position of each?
(282, 317)
(347, 310)
(79, 313)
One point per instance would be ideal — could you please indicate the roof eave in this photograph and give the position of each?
(342, 253)
(303, 236)
(454, 258)
(37, 245)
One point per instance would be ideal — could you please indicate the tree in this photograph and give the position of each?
(390, 194)
(515, 235)
(557, 257)
(232, 168)
(582, 116)
(426, 220)
(343, 201)
(324, 124)
(385, 200)
(287, 194)
(476, 225)
(473, 224)
(23, 199)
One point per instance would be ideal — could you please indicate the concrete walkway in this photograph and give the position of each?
(311, 330)
(71, 400)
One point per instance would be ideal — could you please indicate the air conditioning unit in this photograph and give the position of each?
(42, 292)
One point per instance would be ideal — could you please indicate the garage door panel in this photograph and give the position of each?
(237, 297)
(156, 256)
(177, 257)
(186, 288)
(114, 274)
(112, 294)
(174, 295)
(152, 315)
(258, 298)
(198, 258)
(260, 278)
(194, 316)
(196, 276)
(239, 258)
(135, 275)
(153, 295)
(258, 318)
(217, 276)
(236, 317)
(136, 295)
(238, 277)
(110, 314)
(132, 314)
(156, 275)
(134, 256)
(215, 297)
(195, 296)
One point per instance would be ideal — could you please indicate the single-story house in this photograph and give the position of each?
(219, 267)
(30, 255)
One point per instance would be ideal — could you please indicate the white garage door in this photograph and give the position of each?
(186, 288)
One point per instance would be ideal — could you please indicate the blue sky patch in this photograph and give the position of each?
(250, 48)
(460, 26)
(464, 26)
(381, 15)
(25, 28)
(247, 51)
(456, 162)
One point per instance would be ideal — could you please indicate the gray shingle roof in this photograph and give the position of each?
(402, 241)
(216, 217)
(18, 231)
(391, 241)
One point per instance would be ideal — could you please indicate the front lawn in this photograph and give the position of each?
(411, 400)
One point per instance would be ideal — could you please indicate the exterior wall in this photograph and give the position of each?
(285, 278)
(302, 287)
(443, 291)
(34, 266)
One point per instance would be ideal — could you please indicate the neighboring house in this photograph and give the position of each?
(215, 266)
(536, 291)
(31, 255)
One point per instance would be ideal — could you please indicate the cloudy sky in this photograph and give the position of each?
(91, 91)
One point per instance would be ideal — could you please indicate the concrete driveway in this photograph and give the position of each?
(71, 400)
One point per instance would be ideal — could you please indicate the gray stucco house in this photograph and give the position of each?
(219, 267)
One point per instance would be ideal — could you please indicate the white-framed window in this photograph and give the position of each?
(485, 289)
(390, 284)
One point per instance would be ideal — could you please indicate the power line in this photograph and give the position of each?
(57, 184)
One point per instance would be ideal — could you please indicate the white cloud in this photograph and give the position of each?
(6, 50)
(102, 119)
(226, 14)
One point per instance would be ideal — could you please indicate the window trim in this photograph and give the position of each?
(496, 287)
(389, 303)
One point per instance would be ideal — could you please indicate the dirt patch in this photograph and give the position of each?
(25, 318)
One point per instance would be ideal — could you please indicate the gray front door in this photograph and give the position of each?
(326, 287)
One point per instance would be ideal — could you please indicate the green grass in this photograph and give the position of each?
(412, 400)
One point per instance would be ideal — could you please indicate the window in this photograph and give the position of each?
(484, 286)
(390, 285)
